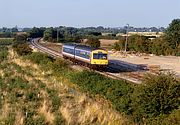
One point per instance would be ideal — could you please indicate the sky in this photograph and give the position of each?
(86, 13)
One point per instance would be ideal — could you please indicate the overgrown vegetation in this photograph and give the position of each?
(6, 42)
(21, 95)
(3, 53)
(158, 96)
(155, 101)
(93, 42)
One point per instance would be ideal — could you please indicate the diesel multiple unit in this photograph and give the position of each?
(88, 56)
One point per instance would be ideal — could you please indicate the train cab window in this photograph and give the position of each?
(99, 56)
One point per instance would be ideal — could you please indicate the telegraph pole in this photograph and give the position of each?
(126, 38)
(57, 34)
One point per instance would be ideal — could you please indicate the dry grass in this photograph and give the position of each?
(105, 42)
(85, 110)
(44, 109)
(76, 108)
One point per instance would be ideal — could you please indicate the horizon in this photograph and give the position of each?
(85, 13)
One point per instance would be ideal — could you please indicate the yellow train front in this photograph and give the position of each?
(95, 58)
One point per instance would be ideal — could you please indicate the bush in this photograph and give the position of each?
(59, 67)
(93, 42)
(22, 49)
(116, 91)
(40, 58)
(158, 95)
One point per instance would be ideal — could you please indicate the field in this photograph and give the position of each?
(6, 41)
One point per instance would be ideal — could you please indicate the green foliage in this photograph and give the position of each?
(59, 119)
(95, 33)
(41, 59)
(173, 33)
(149, 103)
(25, 97)
(36, 32)
(10, 119)
(3, 53)
(93, 42)
(6, 35)
(22, 49)
(56, 101)
(49, 34)
(170, 119)
(20, 38)
(169, 44)
(115, 90)
(6, 42)
(158, 95)
(59, 66)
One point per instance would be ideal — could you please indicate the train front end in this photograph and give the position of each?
(99, 58)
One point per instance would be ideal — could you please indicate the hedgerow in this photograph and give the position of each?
(116, 91)
(157, 96)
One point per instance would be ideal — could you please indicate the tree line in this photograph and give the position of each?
(168, 44)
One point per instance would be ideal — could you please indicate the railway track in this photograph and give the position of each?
(115, 73)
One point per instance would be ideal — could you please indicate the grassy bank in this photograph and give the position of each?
(35, 87)
(24, 98)
(155, 101)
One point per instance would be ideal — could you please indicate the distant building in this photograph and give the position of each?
(106, 34)
(149, 34)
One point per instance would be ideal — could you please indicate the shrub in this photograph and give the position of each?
(117, 91)
(158, 95)
(22, 49)
(59, 67)
(93, 42)
(40, 58)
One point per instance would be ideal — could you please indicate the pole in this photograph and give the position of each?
(57, 34)
(126, 38)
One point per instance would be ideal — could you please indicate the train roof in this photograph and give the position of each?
(70, 44)
(83, 47)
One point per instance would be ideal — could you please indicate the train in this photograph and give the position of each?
(94, 58)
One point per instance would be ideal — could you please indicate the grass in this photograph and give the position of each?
(5, 42)
(50, 81)
(21, 96)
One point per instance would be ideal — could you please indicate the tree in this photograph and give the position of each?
(21, 38)
(158, 95)
(22, 49)
(48, 34)
(36, 32)
(173, 33)
(93, 42)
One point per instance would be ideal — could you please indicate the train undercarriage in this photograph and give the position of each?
(86, 64)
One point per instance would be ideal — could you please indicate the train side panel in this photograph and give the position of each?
(83, 55)
(68, 51)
